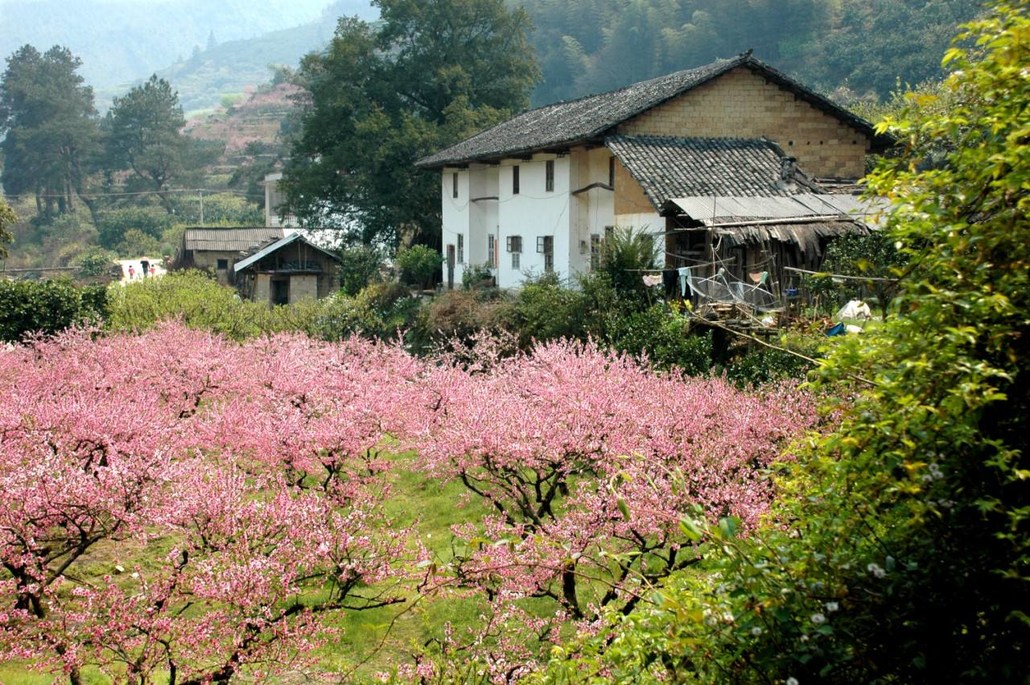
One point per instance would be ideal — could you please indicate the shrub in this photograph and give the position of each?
(360, 265)
(543, 309)
(418, 265)
(196, 299)
(662, 336)
(47, 307)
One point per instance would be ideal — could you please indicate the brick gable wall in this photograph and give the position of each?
(741, 104)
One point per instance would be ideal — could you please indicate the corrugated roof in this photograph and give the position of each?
(590, 118)
(242, 240)
(278, 245)
(676, 167)
(714, 210)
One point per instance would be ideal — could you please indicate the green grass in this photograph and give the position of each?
(363, 642)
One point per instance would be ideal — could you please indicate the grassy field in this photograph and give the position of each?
(364, 642)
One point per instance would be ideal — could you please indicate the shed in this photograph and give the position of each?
(747, 235)
(288, 270)
(219, 249)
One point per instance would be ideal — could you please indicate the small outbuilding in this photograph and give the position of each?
(288, 270)
(219, 249)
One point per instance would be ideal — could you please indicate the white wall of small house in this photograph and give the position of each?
(483, 222)
(531, 213)
(593, 206)
(487, 204)
(456, 216)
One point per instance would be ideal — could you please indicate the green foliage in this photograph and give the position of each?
(544, 309)
(874, 256)
(136, 243)
(360, 265)
(900, 548)
(96, 264)
(381, 310)
(477, 276)
(200, 302)
(113, 224)
(418, 265)
(144, 135)
(762, 365)
(384, 95)
(48, 127)
(47, 307)
(7, 219)
(587, 46)
(664, 337)
(625, 255)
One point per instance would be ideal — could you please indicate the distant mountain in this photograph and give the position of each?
(121, 42)
(231, 68)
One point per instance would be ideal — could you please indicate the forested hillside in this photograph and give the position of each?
(867, 46)
(124, 41)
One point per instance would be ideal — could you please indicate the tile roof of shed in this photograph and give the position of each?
(590, 118)
(230, 239)
(680, 167)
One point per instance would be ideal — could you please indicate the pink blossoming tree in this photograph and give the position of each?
(251, 466)
(593, 465)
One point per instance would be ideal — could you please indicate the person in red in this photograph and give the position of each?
(132, 272)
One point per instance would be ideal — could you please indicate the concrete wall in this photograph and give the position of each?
(263, 288)
(741, 104)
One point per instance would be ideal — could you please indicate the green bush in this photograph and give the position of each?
(47, 307)
(113, 224)
(543, 309)
(381, 310)
(419, 265)
(762, 365)
(360, 265)
(663, 336)
(196, 299)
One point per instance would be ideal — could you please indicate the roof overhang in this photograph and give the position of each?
(276, 246)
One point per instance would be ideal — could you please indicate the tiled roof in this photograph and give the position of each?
(587, 119)
(681, 167)
(230, 239)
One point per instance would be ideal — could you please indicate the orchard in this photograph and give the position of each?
(185, 508)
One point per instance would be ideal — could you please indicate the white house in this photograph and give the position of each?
(538, 193)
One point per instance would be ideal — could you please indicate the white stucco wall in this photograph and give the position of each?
(487, 204)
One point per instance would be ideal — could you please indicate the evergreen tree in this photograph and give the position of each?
(49, 127)
(144, 135)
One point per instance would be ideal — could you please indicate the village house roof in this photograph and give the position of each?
(590, 119)
(280, 244)
(241, 240)
(667, 167)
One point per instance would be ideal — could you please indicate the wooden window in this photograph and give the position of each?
(461, 248)
(595, 251)
(223, 265)
(516, 260)
(611, 172)
(491, 250)
(549, 176)
(454, 184)
(545, 246)
(515, 180)
(514, 243)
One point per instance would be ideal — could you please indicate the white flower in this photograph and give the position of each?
(831, 607)
(876, 570)
(818, 619)
(756, 631)
(792, 681)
